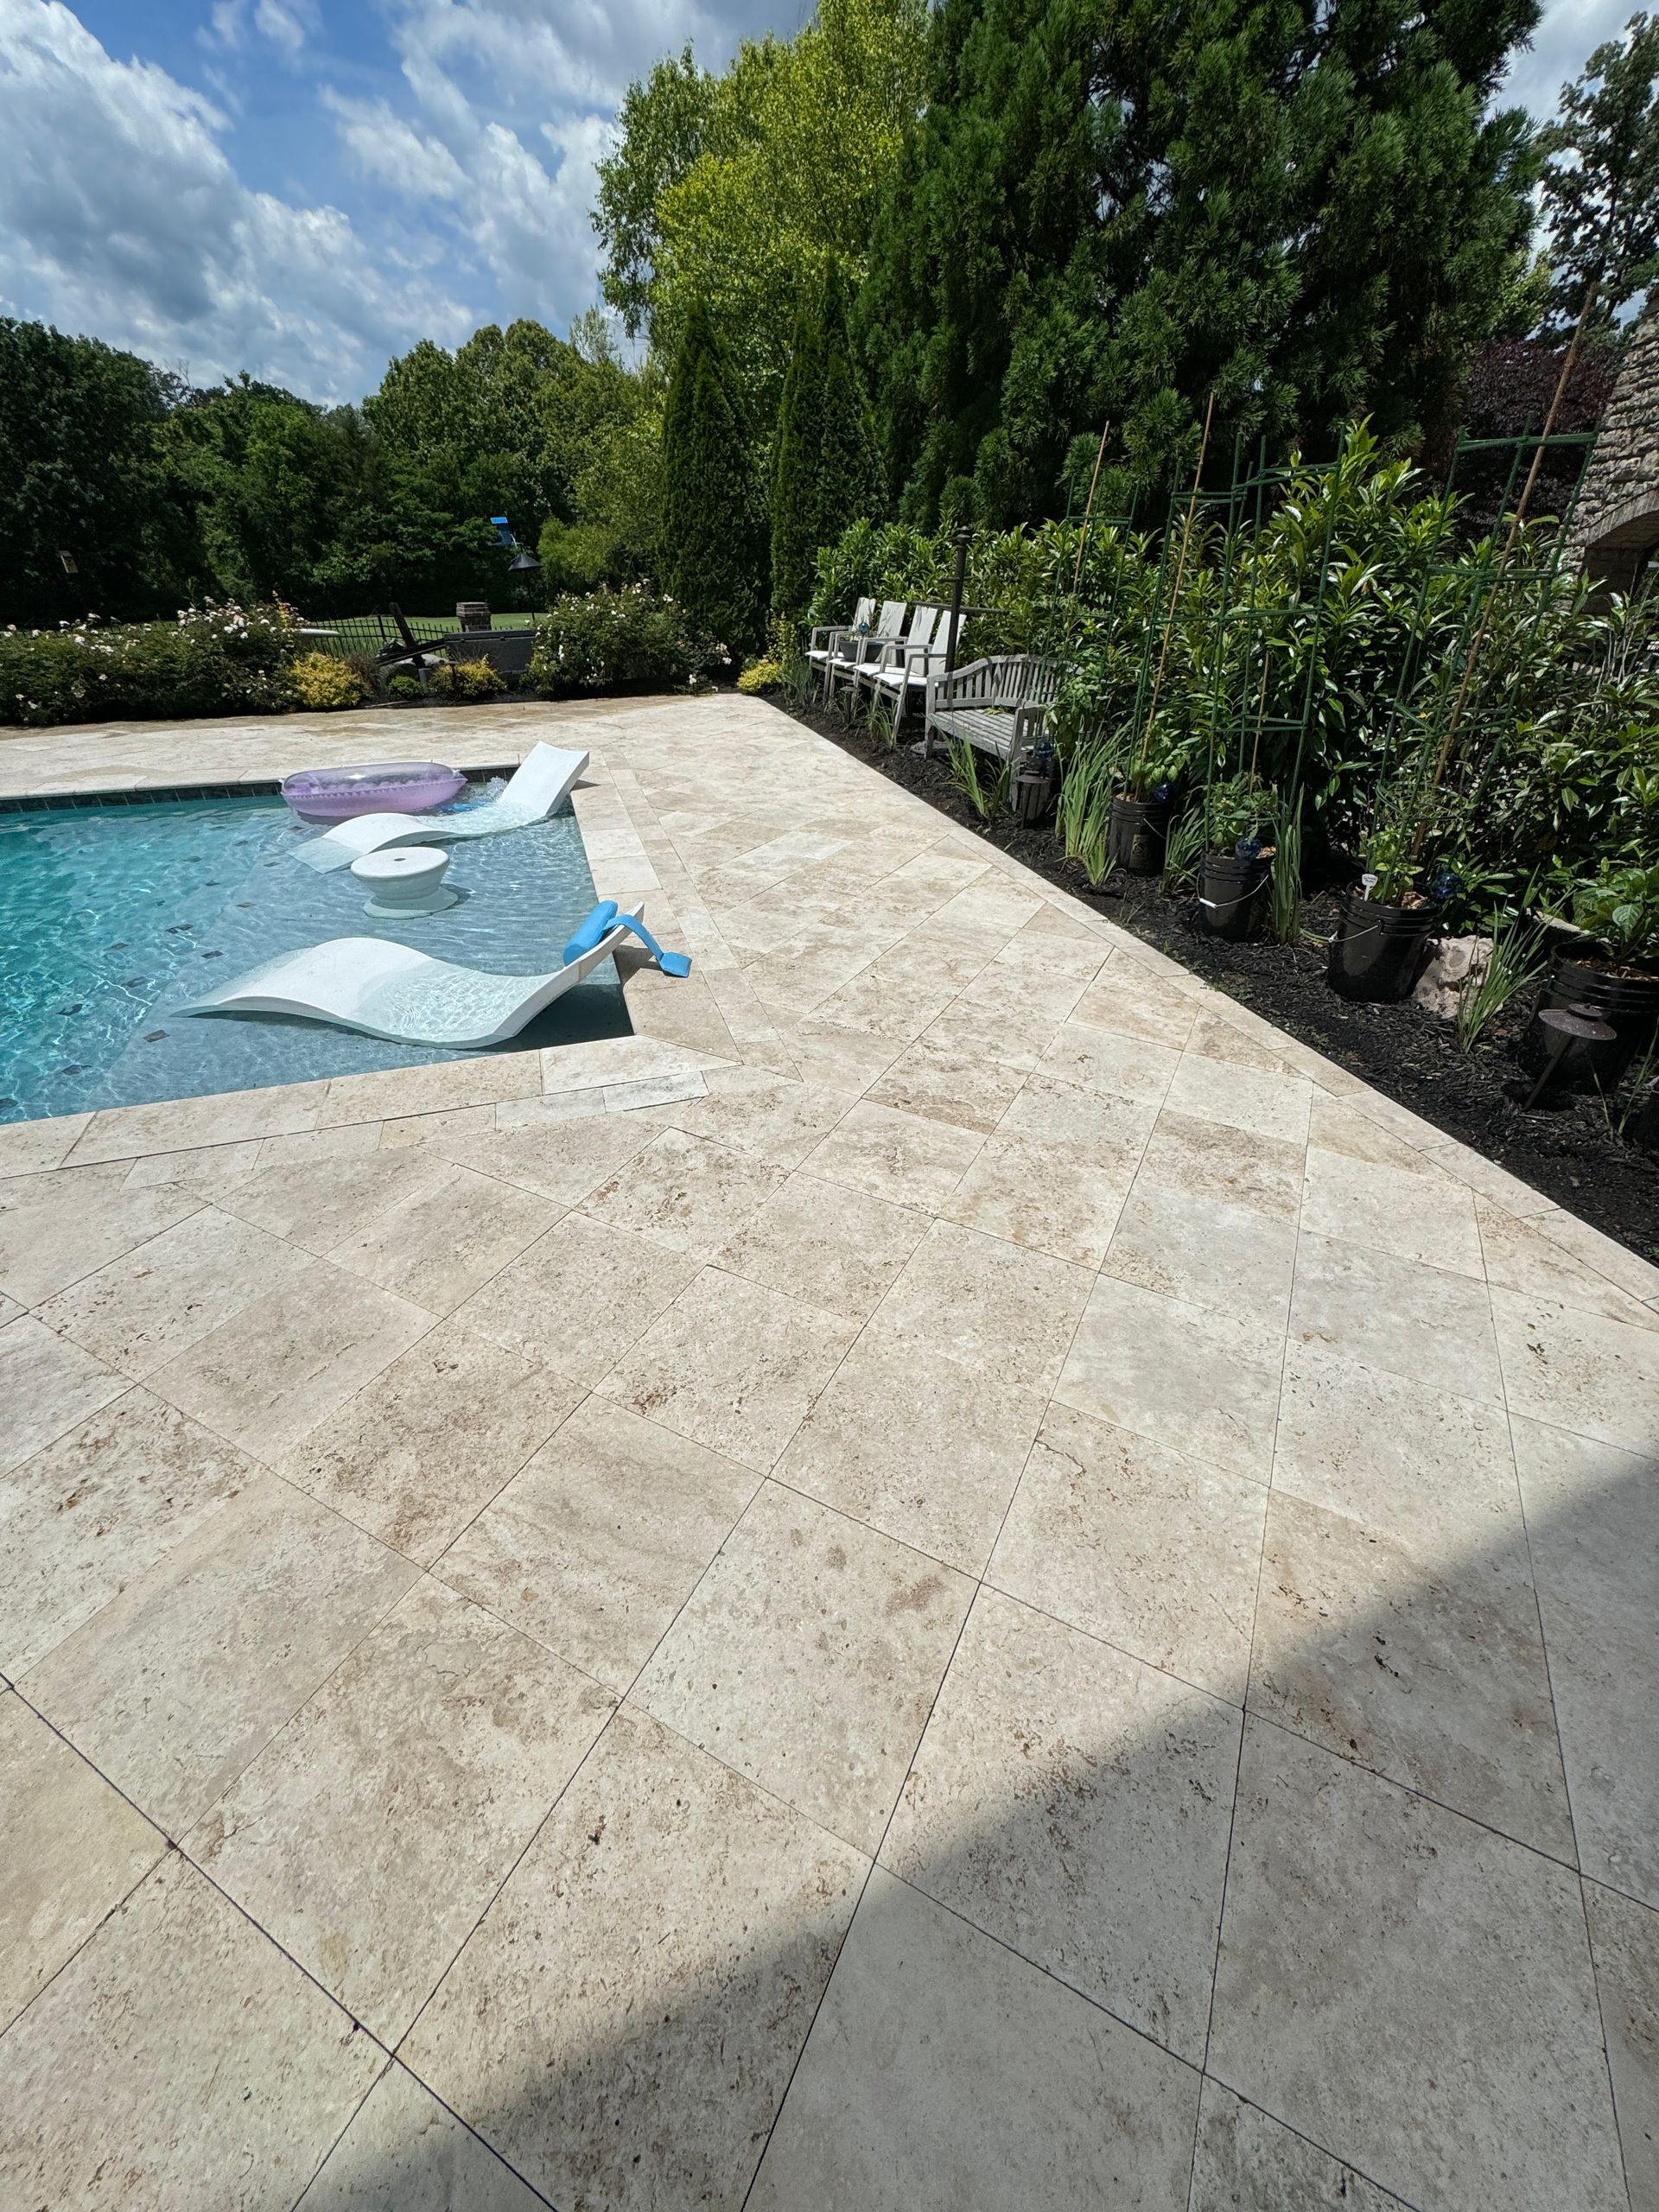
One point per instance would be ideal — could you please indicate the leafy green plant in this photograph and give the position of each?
(987, 794)
(1514, 961)
(762, 675)
(1236, 807)
(406, 688)
(1157, 762)
(319, 683)
(1619, 909)
(1386, 856)
(613, 640)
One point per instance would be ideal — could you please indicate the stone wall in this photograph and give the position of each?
(1616, 525)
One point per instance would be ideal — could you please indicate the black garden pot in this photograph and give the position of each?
(1628, 1004)
(1379, 951)
(1231, 895)
(1032, 796)
(1140, 827)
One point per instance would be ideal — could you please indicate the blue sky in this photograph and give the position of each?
(303, 187)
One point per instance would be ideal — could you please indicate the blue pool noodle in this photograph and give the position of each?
(605, 916)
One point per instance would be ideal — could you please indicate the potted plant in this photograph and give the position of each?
(1386, 920)
(1034, 786)
(1140, 810)
(1237, 853)
(1610, 965)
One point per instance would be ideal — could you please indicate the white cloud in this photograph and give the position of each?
(121, 214)
(1567, 34)
(285, 23)
(387, 150)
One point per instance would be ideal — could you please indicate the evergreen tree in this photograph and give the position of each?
(713, 537)
(1108, 210)
(825, 468)
(797, 451)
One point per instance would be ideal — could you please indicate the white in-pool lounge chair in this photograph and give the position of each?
(392, 991)
(535, 788)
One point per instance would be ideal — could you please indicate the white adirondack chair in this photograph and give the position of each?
(824, 641)
(855, 647)
(901, 672)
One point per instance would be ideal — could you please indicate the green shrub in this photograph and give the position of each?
(761, 675)
(457, 680)
(213, 660)
(320, 683)
(609, 641)
(405, 687)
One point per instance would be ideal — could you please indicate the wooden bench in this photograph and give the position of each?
(998, 705)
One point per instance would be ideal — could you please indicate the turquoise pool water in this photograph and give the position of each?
(111, 917)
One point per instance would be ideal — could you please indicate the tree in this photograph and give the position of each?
(661, 126)
(825, 468)
(81, 472)
(1601, 179)
(738, 191)
(714, 545)
(1108, 211)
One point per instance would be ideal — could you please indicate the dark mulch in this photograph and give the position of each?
(1567, 1151)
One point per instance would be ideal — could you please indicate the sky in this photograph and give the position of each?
(304, 188)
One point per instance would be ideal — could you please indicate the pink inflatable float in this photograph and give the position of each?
(379, 787)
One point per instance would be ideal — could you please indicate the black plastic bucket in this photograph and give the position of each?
(1140, 827)
(1379, 951)
(1628, 1004)
(1231, 895)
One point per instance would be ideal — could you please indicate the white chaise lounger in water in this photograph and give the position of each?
(392, 991)
(537, 787)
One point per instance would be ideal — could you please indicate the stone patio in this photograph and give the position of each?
(955, 1580)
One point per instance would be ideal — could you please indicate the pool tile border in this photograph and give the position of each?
(154, 795)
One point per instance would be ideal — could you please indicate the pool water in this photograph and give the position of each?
(112, 917)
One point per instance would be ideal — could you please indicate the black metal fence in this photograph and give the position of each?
(367, 633)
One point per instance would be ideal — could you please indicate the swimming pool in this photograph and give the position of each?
(113, 917)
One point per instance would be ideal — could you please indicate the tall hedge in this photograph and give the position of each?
(825, 470)
(713, 538)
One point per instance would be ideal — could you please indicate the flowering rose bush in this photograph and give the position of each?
(212, 660)
(615, 641)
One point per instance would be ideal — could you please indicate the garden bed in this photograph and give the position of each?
(1567, 1151)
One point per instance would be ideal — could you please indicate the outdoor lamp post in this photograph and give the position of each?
(524, 565)
(962, 538)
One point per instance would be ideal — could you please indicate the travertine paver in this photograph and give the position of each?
(712, 1587)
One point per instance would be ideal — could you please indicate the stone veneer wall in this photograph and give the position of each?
(1616, 525)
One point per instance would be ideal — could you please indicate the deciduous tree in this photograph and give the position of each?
(1601, 179)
